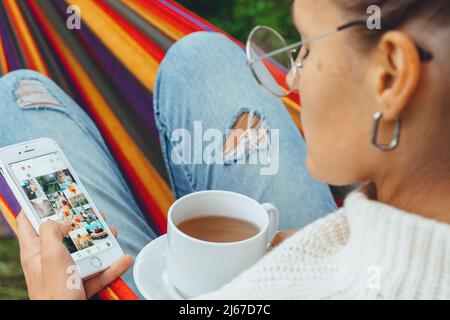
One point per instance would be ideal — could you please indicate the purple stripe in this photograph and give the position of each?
(137, 96)
(186, 16)
(9, 196)
(8, 42)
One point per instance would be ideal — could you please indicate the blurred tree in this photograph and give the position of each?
(238, 17)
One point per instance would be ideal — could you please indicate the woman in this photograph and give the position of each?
(64, 181)
(375, 111)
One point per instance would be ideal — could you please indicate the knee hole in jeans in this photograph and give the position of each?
(248, 133)
(32, 93)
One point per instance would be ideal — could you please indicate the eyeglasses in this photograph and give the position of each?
(270, 58)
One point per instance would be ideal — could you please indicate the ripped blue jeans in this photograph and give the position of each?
(204, 82)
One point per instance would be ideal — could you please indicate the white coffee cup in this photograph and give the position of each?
(194, 266)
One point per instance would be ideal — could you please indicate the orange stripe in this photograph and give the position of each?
(3, 62)
(170, 16)
(147, 43)
(154, 20)
(108, 294)
(294, 110)
(127, 50)
(32, 55)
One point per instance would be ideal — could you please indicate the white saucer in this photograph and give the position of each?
(149, 272)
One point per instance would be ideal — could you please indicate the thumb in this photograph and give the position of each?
(52, 233)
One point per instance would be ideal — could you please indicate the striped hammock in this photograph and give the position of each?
(109, 68)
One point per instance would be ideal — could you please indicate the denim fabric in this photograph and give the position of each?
(204, 77)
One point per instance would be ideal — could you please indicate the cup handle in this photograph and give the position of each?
(274, 219)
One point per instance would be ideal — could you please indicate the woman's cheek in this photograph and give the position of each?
(310, 133)
(315, 119)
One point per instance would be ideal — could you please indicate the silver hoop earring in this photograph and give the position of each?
(375, 126)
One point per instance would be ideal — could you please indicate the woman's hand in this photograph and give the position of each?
(49, 269)
(280, 236)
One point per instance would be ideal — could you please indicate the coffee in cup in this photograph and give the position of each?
(213, 236)
(218, 228)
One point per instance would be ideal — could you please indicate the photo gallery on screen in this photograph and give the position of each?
(57, 195)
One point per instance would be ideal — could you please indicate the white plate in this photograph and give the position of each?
(149, 272)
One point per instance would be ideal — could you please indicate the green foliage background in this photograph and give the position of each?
(238, 17)
(12, 282)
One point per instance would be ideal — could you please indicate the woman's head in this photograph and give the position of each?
(349, 76)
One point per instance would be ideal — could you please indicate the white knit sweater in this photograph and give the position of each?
(366, 250)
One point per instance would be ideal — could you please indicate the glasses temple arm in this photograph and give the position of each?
(424, 55)
(293, 46)
(302, 42)
(352, 24)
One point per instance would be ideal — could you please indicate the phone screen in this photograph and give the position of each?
(54, 193)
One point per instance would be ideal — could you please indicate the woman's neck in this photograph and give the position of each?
(424, 192)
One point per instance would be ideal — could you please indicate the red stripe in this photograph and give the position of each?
(166, 13)
(295, 97)
(170, 17)
(103, 295)
(135, 33)
(192, 14)
(122, 291)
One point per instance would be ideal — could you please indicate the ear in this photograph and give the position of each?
(397, 73)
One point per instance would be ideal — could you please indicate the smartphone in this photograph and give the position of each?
(47, 188)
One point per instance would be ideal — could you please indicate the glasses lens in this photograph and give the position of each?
(270, 71)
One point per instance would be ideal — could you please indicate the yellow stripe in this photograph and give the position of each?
(9, 216)
(295, 110)
(111, 293)
(119, 42)
(154, 20)
(134, 156)
(29, 43)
